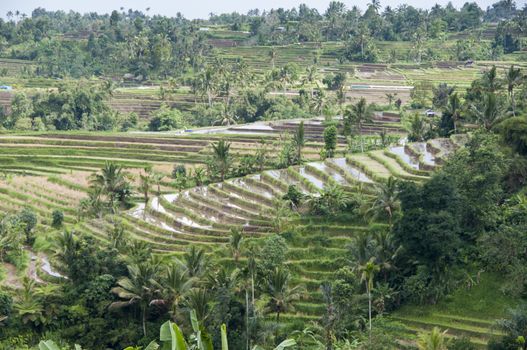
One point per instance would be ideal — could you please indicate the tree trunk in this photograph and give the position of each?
(144, 320)
(513, 104)
(247, 345)
(369, 311)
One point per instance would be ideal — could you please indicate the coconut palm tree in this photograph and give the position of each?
(176, 283)
(513, 79)
(145, 185)
(386, 250)
(272, 56)
(195, 261)
(282, 294)
(435, 340)
(235, 244)
(453, 108)
(490, 80)
(391, 97)
(319, 101)
(368, 272)
(112, 181)
(489, 111)
(199, 176)
(221, 157)
(29, 306)
(299, 140)
(207, 83)
(311, 77)
(386, 199)
(359, 114)
(199, 299)
(139, 288)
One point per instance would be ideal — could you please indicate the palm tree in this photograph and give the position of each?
(29, 306)
(513, 79)
(299, 140)
(368, 273)
(139, 288)
(319, 101)
(490, 80)
(208, 83)
(311, 77)
(281, 293)
(391, 97)
(435, 340)
(235, 244)
(359, 114)
(226, 118)
(145, 184)
(175, 284)
(194, 260)
(199, 175)
(386, 250)
(453, 108)
(157, 179)
(272, 56)
(489, 112)
(221, 157)
(112, 181)
(198, 299)
(386, 199)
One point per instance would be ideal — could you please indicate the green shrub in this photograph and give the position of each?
(57, 217)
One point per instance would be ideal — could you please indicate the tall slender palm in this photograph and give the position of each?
(283, 295)
(207, 83)
(491, 81)
(139, 288)
(157, 179)
(299, 140)
(145, 185)
(489, 111)
(513, 79)
(199, 299)
(319, 101)
(221, 157)
(368, 272)
(311, 77)
(235, 244)
(359, 114)
(453, 108)
(272, 56)
(195, 261)
(176, 283)
(386, 250)
(386, 199)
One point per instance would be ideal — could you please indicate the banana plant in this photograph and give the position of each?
(50, 345)
(283, 345)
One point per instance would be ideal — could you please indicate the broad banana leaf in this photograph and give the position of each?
(286, 344)
(172, 337)
(224, 342)
(48, 345)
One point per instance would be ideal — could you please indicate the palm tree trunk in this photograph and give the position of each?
(143, 311)
(513, 104)
(361, 140)
(247, 319)
(252, 293)
(369, 311)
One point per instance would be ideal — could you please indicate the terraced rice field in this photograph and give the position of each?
(205, 215)
(52, 174)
